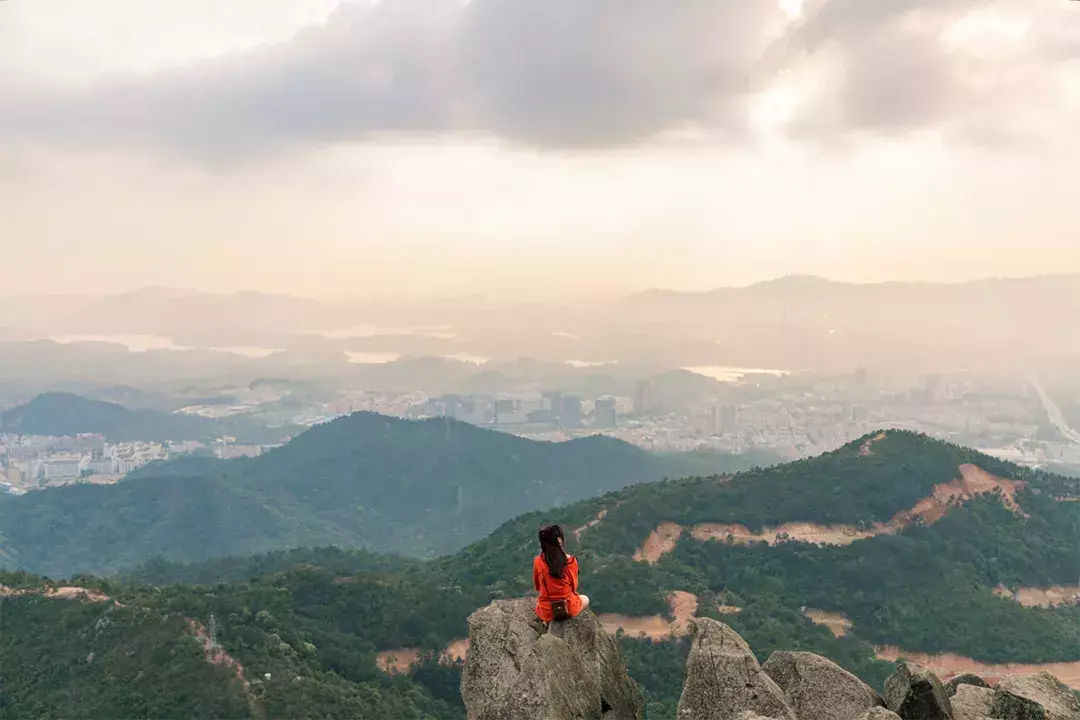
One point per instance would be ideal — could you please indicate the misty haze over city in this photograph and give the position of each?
(540, 359)
(747, 226)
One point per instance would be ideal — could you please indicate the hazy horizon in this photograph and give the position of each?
(563, 294)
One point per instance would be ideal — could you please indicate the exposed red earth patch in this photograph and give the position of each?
(973, 481)
(837, 623)
(949, 665)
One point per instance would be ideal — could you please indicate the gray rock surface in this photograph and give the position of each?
(972, 702)
(915, 693)
(878, 713)
(751, 715)
(1006, 706)
(724, 679)
(519, 669)
(964, 679)
(819, 689)
(1056, 699)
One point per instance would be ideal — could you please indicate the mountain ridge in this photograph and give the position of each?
(62, 414)
(421, 487)
(932, 587)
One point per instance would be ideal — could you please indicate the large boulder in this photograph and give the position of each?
(915, 693)
(1056, 699)
(964, 679)
(1006, 706)
(972, 702)
(520, 669)
(724, 679)
(878, 713)
(819, 689)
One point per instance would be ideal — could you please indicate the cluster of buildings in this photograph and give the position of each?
(33, 462)
(794, 416)
(528, 411)
(29, 462)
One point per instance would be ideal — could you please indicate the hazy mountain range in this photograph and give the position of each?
(792, 323)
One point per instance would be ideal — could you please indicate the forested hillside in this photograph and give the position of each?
(297, 644)
(65, 414)
(921, 577)
(422, 488)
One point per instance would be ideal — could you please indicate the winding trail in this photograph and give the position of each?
(595, 521)
(972, 481)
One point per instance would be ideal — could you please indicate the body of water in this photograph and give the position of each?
(724, 373)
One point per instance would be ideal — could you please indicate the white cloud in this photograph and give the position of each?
(444, 146)
(549, 73)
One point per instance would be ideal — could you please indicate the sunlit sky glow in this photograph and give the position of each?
(533, 147)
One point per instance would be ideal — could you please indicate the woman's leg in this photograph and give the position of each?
(584, 601)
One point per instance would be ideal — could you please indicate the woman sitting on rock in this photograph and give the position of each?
(555, 577)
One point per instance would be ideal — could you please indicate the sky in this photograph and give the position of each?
(335, 148)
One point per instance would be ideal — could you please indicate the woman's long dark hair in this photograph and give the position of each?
(552, 550)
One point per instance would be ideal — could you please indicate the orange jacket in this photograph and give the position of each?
(553, 588)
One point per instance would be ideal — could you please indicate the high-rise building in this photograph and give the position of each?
(606, 417)
(643, 397)
(507, 412)
(725, 419)
(553, 403)
(934, 384)
(570, 411)
(450, 405)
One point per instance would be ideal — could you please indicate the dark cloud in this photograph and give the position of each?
(558, 72)
(552, 73)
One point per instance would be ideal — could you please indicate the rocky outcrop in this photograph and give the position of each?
(724, 679)
(964, 679)
(520, 669)
(915, 693)
(819, 689)
(972, 702)
(1056, 700)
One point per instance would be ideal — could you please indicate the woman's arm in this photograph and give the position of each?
(536, 576)
(572, 573)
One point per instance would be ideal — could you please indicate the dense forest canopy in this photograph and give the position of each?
(421, 488)
(322, 614)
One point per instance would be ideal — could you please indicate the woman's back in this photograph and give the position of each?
(555, 577)
(551, 587)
